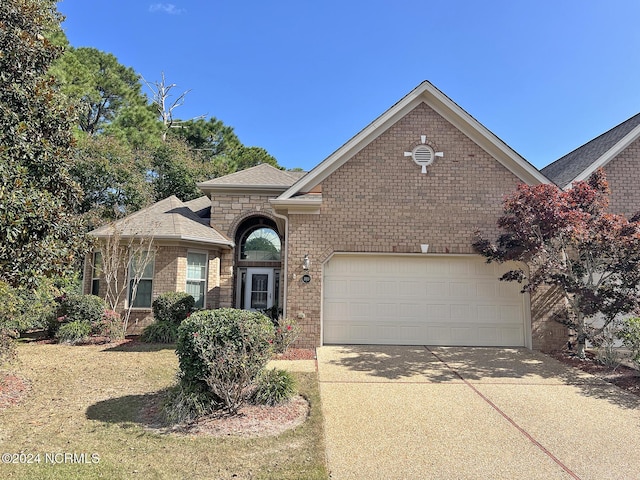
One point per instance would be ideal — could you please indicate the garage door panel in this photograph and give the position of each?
(410, 310)
(438, 335)
(462, 290)
(460, 313)
(436, 313)
(426, 300)
(387, 310)
(435, 289)
(411, 288)
(386, 288)
(508, 314)
(487, 313)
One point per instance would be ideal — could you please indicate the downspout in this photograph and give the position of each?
(286, 261)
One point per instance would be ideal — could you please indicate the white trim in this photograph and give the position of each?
(285, 263)
(270, 272)
(93, 270)
(298, 205)
(153, 274)
(443, 105)
(609, 155)
(206, 273)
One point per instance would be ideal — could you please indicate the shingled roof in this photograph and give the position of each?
(260, 176)
(596, 153)
(168, 219)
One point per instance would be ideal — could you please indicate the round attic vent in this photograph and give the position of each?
(422, 155)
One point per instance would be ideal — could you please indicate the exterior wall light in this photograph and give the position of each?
(306, 262)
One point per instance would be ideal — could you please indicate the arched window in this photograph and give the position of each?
(260, 245)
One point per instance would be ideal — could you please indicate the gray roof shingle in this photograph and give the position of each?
(260, 175)
(168, 219)
(564, 170)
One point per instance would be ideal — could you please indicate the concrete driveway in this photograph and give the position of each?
(472, 413)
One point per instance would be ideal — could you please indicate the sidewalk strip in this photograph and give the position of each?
(506, 417)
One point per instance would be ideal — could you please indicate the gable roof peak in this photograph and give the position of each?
(259, 175)
(427, 93)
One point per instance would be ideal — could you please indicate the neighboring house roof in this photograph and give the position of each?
(443, 105)
(263, 177)
(583, 161)
(201, 206)
(168, 219)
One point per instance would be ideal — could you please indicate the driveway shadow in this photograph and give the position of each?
(371, 363)
(475, 365)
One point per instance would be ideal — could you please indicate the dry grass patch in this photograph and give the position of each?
(101, 400)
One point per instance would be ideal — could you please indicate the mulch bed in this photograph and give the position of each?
(621, 376)
(12, 389)
(297, 354)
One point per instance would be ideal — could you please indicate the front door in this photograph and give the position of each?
(259, 289)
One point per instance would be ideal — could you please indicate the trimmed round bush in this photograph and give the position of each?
(160, 332)
(73, 332)
(173, 307)
(274, 387)
(224, 350)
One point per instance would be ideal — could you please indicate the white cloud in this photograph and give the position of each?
(169, 8)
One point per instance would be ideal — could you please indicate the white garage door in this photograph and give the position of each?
(420, 300)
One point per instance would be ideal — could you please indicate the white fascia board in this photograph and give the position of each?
(171, 238)
(484, 138)
(357, 143)
(242, 189)
(609, 155)
(297, 205)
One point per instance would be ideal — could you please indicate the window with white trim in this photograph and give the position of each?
(141, 269)
(96, 271)
(197, 277)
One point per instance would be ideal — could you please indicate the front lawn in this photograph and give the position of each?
(94, 402)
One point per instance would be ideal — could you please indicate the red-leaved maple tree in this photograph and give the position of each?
(568, 240)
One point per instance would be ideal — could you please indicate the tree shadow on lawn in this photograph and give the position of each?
(142, 410)
(476, 365)
(132, 344)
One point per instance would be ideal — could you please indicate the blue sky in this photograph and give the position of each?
(300, 78)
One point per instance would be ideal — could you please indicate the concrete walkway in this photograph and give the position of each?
(472, 413)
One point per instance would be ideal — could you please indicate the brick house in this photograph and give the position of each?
(372, 246)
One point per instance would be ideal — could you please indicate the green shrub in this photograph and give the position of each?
(173, 307)
(72, 308)
(224, 349)
(630, 336)
(73, 332)
(186, 403)
(286, 332)
(274, 387)
(160, 332)
(110, 325)
(23, 309)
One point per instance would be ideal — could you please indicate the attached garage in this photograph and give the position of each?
(452, 300)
